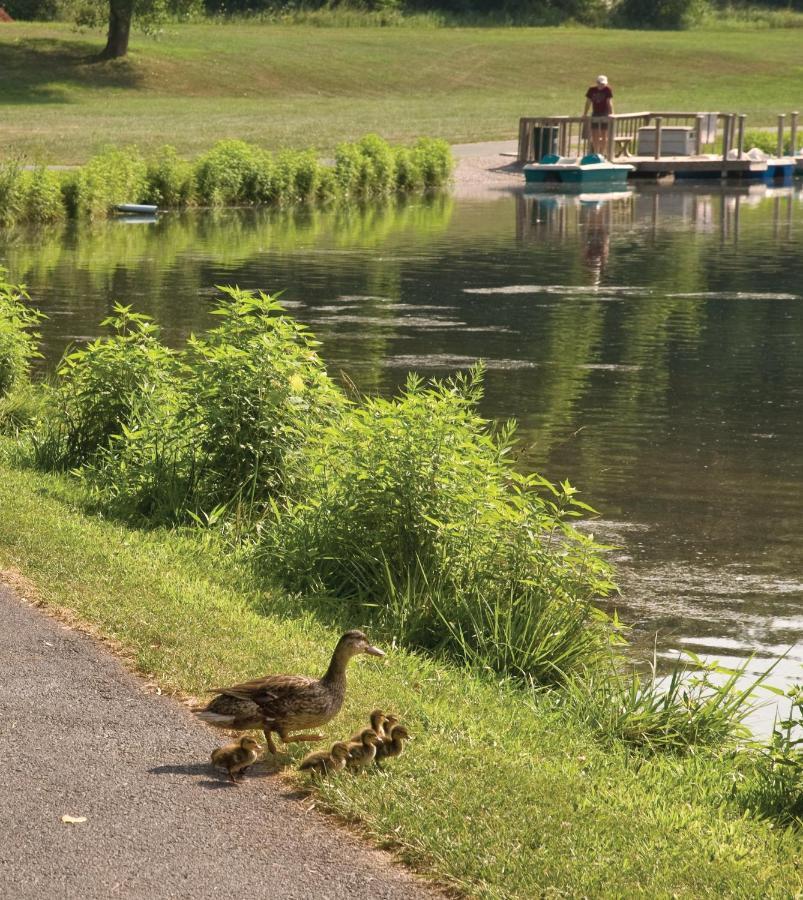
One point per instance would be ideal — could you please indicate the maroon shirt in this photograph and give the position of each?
(600, 96)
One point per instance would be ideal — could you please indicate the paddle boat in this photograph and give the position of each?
(563, 170)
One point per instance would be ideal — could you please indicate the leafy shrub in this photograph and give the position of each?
(382, 163)
(225, 175)
(114, 176)
(433, 158)
(251, 389)
(409, 176)
(351, 169)
(11, 193)
(262, 184)
(766, 141)
(42, 198)
(18, 338)
(413, 507)
(102, 388)
(169, 180)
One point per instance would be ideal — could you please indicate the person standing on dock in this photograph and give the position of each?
(600, 98)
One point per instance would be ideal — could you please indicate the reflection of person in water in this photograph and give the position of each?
(597, 242)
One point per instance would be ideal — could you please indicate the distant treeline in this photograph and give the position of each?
(611, 13)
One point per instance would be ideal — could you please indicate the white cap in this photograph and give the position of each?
(602, 79)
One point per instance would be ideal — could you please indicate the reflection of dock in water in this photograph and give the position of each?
(592, 217)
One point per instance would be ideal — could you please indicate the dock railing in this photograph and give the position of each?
(571, 135)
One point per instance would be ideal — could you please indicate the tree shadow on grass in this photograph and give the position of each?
(42, 70)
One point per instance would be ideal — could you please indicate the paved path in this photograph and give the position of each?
(80, 736)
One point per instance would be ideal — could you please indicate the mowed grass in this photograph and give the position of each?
(300, 86)
(498, 794)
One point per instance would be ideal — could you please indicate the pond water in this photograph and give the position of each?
(649, 342)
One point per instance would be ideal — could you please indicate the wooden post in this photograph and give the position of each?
(740, 137)
(522, 140)
(781, 119)
(611, 138)
(793, 131)
(658, 123)
(698, 135)
(726, 137)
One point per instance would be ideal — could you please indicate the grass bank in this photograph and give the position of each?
(500, 793)
(301, 86)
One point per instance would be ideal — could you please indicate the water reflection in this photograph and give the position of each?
(648, 341)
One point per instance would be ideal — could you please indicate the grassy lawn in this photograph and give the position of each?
(498, 794)
(300, 85)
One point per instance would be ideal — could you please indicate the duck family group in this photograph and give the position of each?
(290, 705)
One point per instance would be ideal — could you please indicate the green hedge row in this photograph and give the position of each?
(232, 173)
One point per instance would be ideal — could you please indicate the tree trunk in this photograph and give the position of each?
(120, 12)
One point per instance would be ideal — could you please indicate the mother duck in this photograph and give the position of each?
(285, 703)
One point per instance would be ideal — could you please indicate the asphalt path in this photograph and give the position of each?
(80, 736)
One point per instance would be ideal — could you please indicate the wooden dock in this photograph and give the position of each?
(662, 144)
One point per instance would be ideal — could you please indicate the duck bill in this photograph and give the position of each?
(374, 651)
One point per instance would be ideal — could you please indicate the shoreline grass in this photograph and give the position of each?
(510, 789)
(500, 794)
(302, 86)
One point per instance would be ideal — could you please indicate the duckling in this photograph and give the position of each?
(387, 727)
(377, 719)
(324, 762)
(285, 703)
(363, 752)
(393, 745)
(237, 758)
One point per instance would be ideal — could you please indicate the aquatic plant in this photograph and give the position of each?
(19, 340)
(170, 181)
(224, 176)
(100, 390)
(412, 509)
(115, 176)
(246, 396)
(698, 704)
(11, 197)
(773, 788)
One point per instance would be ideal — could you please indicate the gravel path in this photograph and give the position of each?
(80, 736)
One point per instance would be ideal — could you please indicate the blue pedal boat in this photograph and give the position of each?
(592, 168)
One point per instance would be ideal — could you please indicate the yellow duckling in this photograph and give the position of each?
(393, 745)
(324, 762)
(237, 758)
(363, 752)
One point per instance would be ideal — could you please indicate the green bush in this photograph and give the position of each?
(412, 507)
(433, 158)
(382, 161)
(29, 195)
(18, 337)
(114, 176)
(11, 193)
(101, 390)
(766, 141)
(409, 176)
(225, 175)
(169, 180)
(250, 391)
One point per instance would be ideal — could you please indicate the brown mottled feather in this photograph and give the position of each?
(284, 703)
